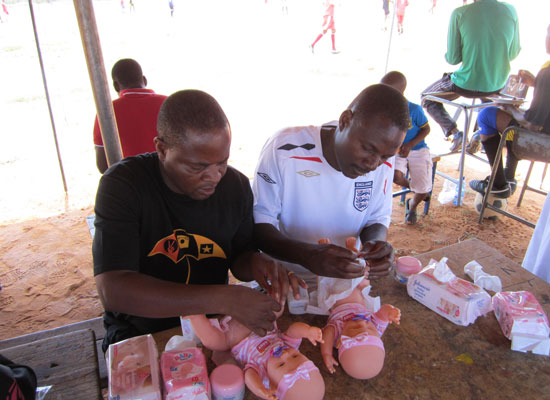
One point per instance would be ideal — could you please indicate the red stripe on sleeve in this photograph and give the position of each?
(316, 159)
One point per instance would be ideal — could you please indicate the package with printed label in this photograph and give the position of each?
(519, 313)
(185, 375)
(133, 369)
(456, 299)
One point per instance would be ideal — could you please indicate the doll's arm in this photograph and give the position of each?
(326, 349)
(299, 330)
(389, 313)
(255, 385)
(210, 336)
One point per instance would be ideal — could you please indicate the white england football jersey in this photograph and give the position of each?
(297, 191)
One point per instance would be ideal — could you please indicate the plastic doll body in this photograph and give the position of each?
(360, 349)
(356, 333)
(289, 373)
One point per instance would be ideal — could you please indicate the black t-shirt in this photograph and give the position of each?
(141, 225)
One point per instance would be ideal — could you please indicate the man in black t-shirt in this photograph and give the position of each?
(169, 225)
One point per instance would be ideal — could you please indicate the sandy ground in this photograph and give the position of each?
(256, 62)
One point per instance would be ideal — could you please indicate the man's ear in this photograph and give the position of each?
(345, 120)
(144, 81)
(161, 148)
(116, 85)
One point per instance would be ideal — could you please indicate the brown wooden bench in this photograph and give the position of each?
(95, 325)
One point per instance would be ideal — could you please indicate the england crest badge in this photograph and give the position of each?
(362, 195)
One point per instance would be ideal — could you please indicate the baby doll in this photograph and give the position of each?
(273, 366)
(356, 333)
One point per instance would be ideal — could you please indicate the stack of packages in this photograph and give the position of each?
(134, 370)
(523, 321)
(519, 314)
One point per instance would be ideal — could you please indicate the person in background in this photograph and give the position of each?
(328, 24)
(413, 154)
(483, 37)
(171, 224)
(332, 181)
(136, 111)
(494, 120)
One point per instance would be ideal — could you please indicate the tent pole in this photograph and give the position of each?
(391, 35)
(47, 97)
(98, 78)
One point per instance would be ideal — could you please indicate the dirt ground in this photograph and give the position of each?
(45, 244)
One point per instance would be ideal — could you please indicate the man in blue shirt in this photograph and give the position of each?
(413, 154)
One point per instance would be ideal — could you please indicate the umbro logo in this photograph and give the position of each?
(308, 174)
(289, 146)
(266, 178)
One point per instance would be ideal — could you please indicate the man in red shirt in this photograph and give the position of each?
(136, 112)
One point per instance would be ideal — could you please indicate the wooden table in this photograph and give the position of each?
(67, 361)
(429, 357)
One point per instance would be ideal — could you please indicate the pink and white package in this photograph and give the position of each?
(454, 298)
(523, 321)
(185, 374)
(133, 370)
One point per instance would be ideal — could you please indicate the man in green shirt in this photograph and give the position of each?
(484, 37)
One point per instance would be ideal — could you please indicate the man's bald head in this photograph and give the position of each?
(189, 112)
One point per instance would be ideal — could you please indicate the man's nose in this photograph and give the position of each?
(213, 174)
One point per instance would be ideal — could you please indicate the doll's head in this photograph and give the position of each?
(360, 350)
(295, 376)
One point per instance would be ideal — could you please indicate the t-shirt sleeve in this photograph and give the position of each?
(290, 341)
(267, 186)
(98, 140)
(418, 117)
(454, 40)
(243, 238)
(116, 239)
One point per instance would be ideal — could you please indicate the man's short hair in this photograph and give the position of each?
(395, 79)
(384, 101)
(127, 72)
(189, 112)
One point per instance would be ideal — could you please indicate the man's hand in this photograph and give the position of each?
(274, 278)
(253, 309)
(379, 257)
(527, 77)
(405, 149)
(333, 261)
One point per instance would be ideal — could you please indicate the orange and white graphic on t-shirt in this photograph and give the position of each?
(181, 244)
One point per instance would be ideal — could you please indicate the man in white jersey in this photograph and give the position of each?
(334, 182)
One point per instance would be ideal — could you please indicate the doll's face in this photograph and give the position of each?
(353, 328)
(289, 360)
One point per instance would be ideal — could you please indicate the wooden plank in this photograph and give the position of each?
(68, 362)
(95, 324)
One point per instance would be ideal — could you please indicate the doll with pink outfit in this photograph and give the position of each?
(274, 368)
(356, 333)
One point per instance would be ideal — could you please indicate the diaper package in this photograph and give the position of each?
(456, 299)
(184, 371)
(133, 370)
(523, 321)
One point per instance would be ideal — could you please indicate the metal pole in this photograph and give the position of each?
(47, 97)
(98, 78)
(391, 35)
